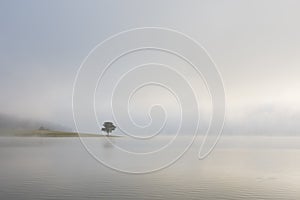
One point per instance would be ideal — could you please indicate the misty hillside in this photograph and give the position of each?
(12, 123)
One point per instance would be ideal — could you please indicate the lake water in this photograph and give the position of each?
(61, 168)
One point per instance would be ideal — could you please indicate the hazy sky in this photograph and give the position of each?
(255, 44)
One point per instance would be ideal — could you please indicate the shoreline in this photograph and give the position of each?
(51, 133)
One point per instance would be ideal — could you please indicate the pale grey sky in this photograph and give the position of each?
(254, 43)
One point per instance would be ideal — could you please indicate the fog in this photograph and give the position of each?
(255, 45)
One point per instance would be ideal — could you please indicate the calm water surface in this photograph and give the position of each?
(61, 168)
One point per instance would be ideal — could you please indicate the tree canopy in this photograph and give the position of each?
(108, 127)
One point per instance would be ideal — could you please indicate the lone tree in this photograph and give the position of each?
(108, 127)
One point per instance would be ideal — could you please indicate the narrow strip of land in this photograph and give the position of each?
(51, 133)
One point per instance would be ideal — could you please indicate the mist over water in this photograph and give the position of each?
(248, 53)
(239, 168)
